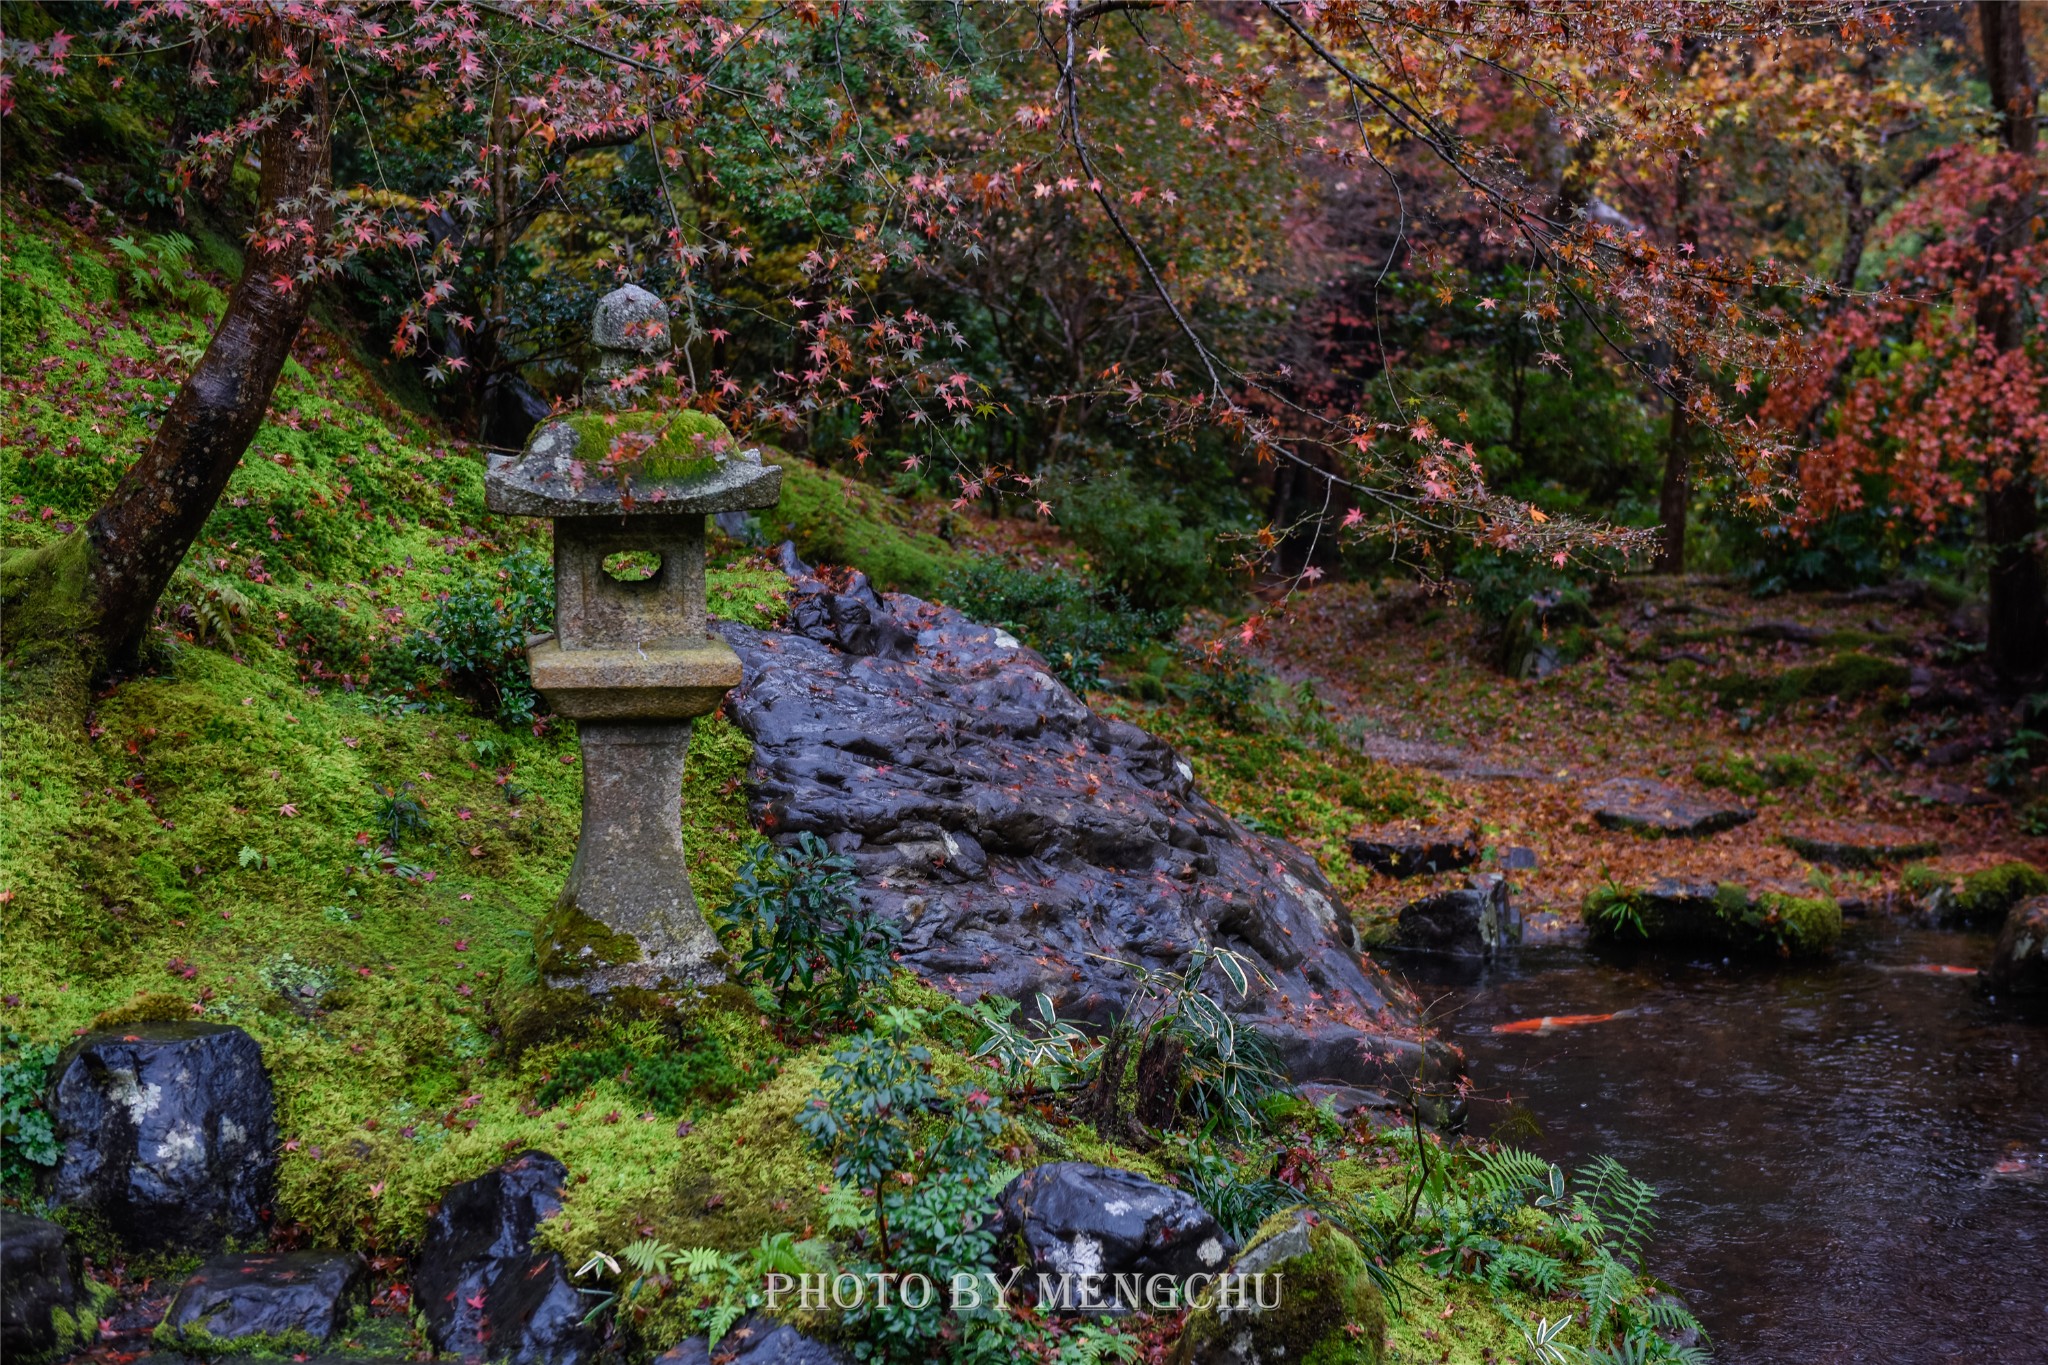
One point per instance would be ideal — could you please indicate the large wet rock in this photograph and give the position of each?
(1069, 1220)
(1478, 920)
(1416, 850)
(2019, 966)
(1647, 807)
(1022, 840)
(755, 1340)
(43, 1313)
(292, 1298)
(487, 1292)
(168, 1134)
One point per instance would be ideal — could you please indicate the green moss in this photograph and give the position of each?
(1979, 898)
(571, 944)
(1329, 1312)
(836, 520)
(686, 443)
(1755, 776)
(196, 1340)
(1845, 677)
(1730, 918)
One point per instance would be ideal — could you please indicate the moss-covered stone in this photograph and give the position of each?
(1978, 899)
(669, 445)
(1328, 1311)
(1846, 677)
(1721, 915)
(570, 943)
(837, 520)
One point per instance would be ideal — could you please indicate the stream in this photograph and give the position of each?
(1852, 1158)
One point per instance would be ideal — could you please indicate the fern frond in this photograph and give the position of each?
(1604, 1289)
(648, 1256)
(1668, 1314)
(1507, 1173)
(1620, 1202)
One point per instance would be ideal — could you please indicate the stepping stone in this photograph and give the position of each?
(1866, 847)
(1414, 850)
(298, 1294)
(1070, 1218)
(1647, 807)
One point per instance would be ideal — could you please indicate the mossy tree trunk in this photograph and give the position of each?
(140, 536)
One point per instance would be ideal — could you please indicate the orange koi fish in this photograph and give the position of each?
(1550, 1022)
(1934, 969)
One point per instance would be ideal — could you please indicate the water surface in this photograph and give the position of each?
(1853, 1158)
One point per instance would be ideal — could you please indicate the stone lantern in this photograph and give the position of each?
(630, 659)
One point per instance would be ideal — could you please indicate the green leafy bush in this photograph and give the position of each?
(159, 270)
(810, 942)
(922, 1158)
(27, 1140)
(1137, 543)
(477, 635)
(1062, 615)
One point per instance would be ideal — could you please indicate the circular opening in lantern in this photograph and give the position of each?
(632, 566)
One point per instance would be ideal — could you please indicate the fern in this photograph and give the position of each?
(1542, 1273)
(1507, 1173)
(1605, 1288)
(1620, 1202)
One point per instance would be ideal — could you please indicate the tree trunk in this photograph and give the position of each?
(139, 538)
(2017, 617)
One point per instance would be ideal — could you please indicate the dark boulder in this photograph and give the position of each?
(1472, 921)
(487, 1292)
(1647, 807)
(756, 1340)
(44, 1311)
(1721, 916)
(168, 1133)
(1029, 845)
(1067, 1220)
(2019, 967)
(292, 1299)
(1413, 851)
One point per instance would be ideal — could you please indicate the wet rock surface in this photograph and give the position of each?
(1647, 807)
(38, 1288)
(168, 1134)
(1305, 1296)
(1869, 847)
(2019, 965)
(1023, 840)
(305, 1294)
(487, 1293)
(1068, 1218)
(1478, 920)
(756, 1340)
(1415, 850)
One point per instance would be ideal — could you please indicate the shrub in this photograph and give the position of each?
(477, 635)
(810, 942)
(1061, 614)
(1137, 543)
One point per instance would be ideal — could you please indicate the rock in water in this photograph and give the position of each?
(1022, 840)
(755, 1340)
(1637, 803)
(296, 1296)
(486, 1291)
(1300, 1292)
(43, 1315)
(1071, 1220)
(2019, 967)
(168, 1134)
(1474, 921)
(1410, 851)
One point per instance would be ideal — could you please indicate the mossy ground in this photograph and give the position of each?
(203, 840)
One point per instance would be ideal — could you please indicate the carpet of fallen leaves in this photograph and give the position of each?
(1413, 679)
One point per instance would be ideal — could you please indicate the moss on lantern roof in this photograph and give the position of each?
(669, 445)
